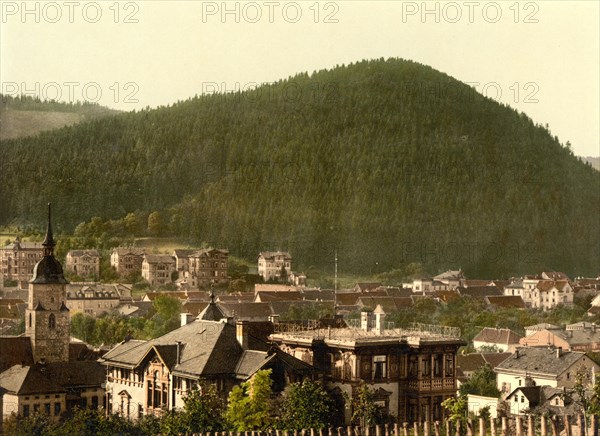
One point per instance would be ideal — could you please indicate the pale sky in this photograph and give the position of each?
(542, 57)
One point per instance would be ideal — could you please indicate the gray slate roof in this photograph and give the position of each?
(52, 377)
(539, 360)
(206, 349)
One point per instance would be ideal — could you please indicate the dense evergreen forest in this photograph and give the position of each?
(386, 162)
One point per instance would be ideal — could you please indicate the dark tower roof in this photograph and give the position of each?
(48, 270)
(212, 312)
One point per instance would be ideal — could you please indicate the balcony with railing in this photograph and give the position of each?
(431, 384)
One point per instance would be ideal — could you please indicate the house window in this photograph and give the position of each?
(413, 367)
(516, 398)
(379, 367)
(556, 402)
(52, 321)
(437, 365)
(47, 408)
(56, 409)
(25, 410)
(426, 367)
(449, 366)
(522, 398)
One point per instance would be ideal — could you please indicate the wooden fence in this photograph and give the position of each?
(515, 426)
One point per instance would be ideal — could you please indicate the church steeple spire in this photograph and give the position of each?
(49, 242)
(47, 318)
(49, 269)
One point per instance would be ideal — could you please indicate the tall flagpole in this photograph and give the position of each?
(335, 279)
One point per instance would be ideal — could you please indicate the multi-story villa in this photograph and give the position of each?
(158, 269)
(17, 261)
(272, 263)
(127, 260)
(411, 371)
(207, 266)
(84, 263)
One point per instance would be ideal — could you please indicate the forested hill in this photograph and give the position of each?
(386, 162)
(26, 116)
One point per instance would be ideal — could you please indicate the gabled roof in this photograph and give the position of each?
(450, 275)
(475, 282)
(266, 296)
(22, 380)
(52, 377)
(545, 285)
(554, 275)
(179, 253)
(578, 337)
(80, 253)
(206, 252)
(281, 307)
(15, 350)
(542, 326)
(159, 258)
(495, 359)
(479, 292)
(236, 298)
(501, 284)
(581, 325)
(247, 310)
(497, 336)
(470, 362)
(473, 361)
(506, 301)
(444, 295)
(24, 245)
(367, 286)
(318, 295)
(208, 348)
(532, 393)
(351, 298)
(123, 251)
(540, 360)
(272, 254)
(167, 353)
(394, 291)
(251, 362)
(389, 304)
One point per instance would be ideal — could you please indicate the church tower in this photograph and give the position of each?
(47, 318)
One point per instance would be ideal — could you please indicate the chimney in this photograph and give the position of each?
(186, 318)
(178, 360)
(517, 353)
(379, 319)
(594, 327)
(558, 352)
(366, 320)
(241, 333)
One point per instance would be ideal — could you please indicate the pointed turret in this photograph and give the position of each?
(49, 242)
(48, 270)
